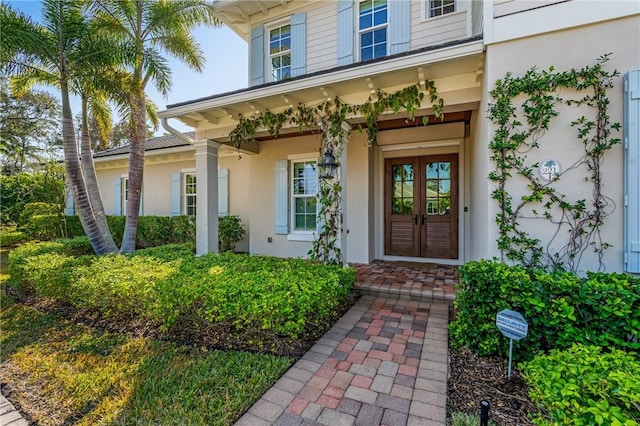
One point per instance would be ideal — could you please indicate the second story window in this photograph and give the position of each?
(280, 52)
(441, 7)
(372, 25)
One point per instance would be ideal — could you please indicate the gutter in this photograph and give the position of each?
(175, 132)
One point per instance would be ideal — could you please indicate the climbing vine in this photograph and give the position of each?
(522, 111)
(330, 118)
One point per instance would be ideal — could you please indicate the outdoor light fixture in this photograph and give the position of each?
(327, 165)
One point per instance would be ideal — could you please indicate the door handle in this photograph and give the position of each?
(422, 217)
(415, 219)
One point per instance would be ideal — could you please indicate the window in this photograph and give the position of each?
(189, 207)
(372, 23)
(441, 7)
(280, 52)
(304, 195)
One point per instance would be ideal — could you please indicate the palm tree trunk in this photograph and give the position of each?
(136, 169)
(91, 182)
(76, 179)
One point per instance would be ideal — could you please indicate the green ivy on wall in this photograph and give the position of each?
(330, 118)
(522, 111)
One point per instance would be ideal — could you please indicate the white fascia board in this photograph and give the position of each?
(159, 151)
(403, 62)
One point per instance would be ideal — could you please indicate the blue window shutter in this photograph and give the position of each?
(632, 171)
(298, 44)
(117, 197)
(281, 197)
(345, 32)
(257, 56)
(399, 25)
(176, 194)
(223, 192)
(70, 208)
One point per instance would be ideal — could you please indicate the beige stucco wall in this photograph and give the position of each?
(262, 193)
(239, 196)
(156, 191)
(574, 48)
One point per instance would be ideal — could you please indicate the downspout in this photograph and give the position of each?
(175, 132)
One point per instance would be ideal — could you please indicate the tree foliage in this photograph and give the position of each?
(29, 129)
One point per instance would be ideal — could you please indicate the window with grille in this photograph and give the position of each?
(441, 7)
(373, 20)
(190, 194)
(304, 195)
(280, 52)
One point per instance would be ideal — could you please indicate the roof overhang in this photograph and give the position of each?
(455, 69)
(238, 14)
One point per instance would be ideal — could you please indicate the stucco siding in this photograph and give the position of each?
(560, 142)
(322, 33)
(156, 191)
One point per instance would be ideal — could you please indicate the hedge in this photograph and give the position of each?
(166, 285)
(152, 230)
(560, 308)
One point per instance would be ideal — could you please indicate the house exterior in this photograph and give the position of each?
(421, 193)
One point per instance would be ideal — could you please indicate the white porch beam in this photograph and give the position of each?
(206, 196)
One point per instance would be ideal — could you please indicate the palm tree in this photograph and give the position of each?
(65, 51)
(147, 29)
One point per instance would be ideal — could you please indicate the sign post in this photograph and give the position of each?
(512, 325)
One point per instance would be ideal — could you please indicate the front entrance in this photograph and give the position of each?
(421, 206)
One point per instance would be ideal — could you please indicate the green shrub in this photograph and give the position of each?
(10, 236)
(583, 386)
(51, 274)
(230, 232)
(38, 209)
(153, 231)
(18, 258)
(45, 186)
(119, 285)
(560, 307)
(249, 295)
(257, 293)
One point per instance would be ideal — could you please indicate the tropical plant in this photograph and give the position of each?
(146, 30)
(66, 51)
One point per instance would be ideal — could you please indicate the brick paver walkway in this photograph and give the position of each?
(9, 416)
(425, 283)
(383, 363)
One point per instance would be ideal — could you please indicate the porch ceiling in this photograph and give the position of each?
(456, 71)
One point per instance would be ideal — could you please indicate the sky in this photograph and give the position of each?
(225, 68)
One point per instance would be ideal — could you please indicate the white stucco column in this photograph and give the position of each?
(206, 197)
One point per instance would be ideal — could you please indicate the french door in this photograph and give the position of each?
(421, 206)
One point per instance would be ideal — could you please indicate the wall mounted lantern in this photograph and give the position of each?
(327, 165)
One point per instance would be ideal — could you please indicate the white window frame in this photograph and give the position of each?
(371, 29)
(186, 196)
(426, 10)
(268, 56)
(124, 194)
(299, 234)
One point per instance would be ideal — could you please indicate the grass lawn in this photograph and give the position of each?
(65, 373)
